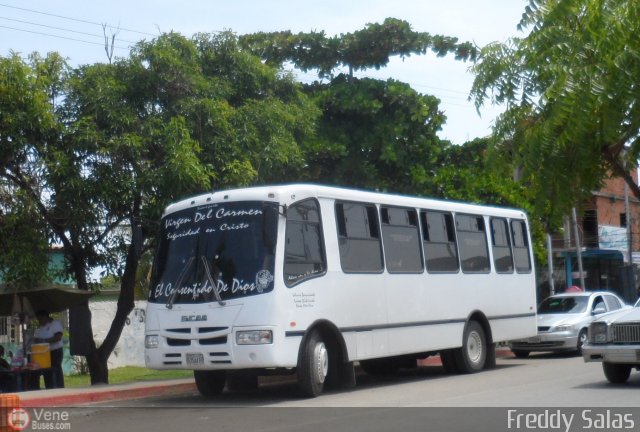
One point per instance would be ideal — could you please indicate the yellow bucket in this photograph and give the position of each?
(40, 354)
(8, 402)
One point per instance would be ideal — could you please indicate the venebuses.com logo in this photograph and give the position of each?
(18, 419)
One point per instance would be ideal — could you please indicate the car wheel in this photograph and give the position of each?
(520, 353)
(616, 373)
(471, 356)
(210, 383)
(582, 338)
(313, 366)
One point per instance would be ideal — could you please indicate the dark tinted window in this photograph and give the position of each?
(401, 239)
(472, 242)
(439, 241)
(521, 253)
(304, 249)
(501, 243)
(359, 237)
(555, 305)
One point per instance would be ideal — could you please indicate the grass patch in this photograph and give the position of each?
(128, 374)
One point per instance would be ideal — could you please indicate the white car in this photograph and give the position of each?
(563, 320)
(614, 340)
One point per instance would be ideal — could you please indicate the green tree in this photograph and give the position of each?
(372, 133)
(103, 147)
(570, 87)
(368, 48)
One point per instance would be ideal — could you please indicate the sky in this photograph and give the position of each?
(74, 29)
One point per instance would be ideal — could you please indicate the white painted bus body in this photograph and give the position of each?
(377, 315)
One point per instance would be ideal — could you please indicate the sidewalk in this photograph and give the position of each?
(68, 397)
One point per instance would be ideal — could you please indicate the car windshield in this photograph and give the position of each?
(214, 253)
(555, 305)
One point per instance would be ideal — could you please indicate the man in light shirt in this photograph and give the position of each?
(50, 331)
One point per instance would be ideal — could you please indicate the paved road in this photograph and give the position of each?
(541, 382)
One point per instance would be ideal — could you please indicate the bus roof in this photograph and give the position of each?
(290, 193)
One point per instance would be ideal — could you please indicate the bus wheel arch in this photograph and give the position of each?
(323, 335)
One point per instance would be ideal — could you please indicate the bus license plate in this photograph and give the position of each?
(194, 359)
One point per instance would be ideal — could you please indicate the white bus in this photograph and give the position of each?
(309, 279)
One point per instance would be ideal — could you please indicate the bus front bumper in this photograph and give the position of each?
(223, 352)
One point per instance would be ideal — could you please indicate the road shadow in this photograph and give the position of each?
(284, 389)
(632, 385)
(543, 355)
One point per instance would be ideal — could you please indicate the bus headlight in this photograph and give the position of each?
(151, 341)
(254, 337)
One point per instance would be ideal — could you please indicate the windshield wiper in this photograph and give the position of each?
(213, 281)
(174, 294)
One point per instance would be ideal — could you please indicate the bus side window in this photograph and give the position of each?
(472, 241)
(439, 242)
(359, 237)
(502, 256)
(304, 247)
(520, 246)
(401, 238)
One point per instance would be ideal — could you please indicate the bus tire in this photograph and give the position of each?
(471, 357)
(313, 366)
(616, 373)
(210, 383)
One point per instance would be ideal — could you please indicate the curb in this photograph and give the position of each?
(88, 395)
(84, 396)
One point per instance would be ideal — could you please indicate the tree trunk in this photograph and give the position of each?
(98, 369)
(97, 361)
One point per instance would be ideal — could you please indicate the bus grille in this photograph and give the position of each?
(626, 333)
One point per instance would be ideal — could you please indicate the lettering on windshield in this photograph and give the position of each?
(195, 290)
(183, 226)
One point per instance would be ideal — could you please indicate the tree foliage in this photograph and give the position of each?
(370, 47)
(374, 134)
(95, 153)
(571, 91)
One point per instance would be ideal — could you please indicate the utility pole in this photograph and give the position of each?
(627, 212)
(578, 251)
(552, 288)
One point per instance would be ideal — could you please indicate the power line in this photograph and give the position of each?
(71, 19)
(61, 29)
(59, 37)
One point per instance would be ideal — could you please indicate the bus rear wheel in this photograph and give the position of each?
(210, 383)
(471, 357)
(313, 366)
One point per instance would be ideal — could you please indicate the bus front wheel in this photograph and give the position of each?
(313, 366)
(210, 383)
(471, 357)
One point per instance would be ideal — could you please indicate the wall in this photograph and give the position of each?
(130, 348)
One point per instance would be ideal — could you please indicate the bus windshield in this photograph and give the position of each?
(215, 253)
